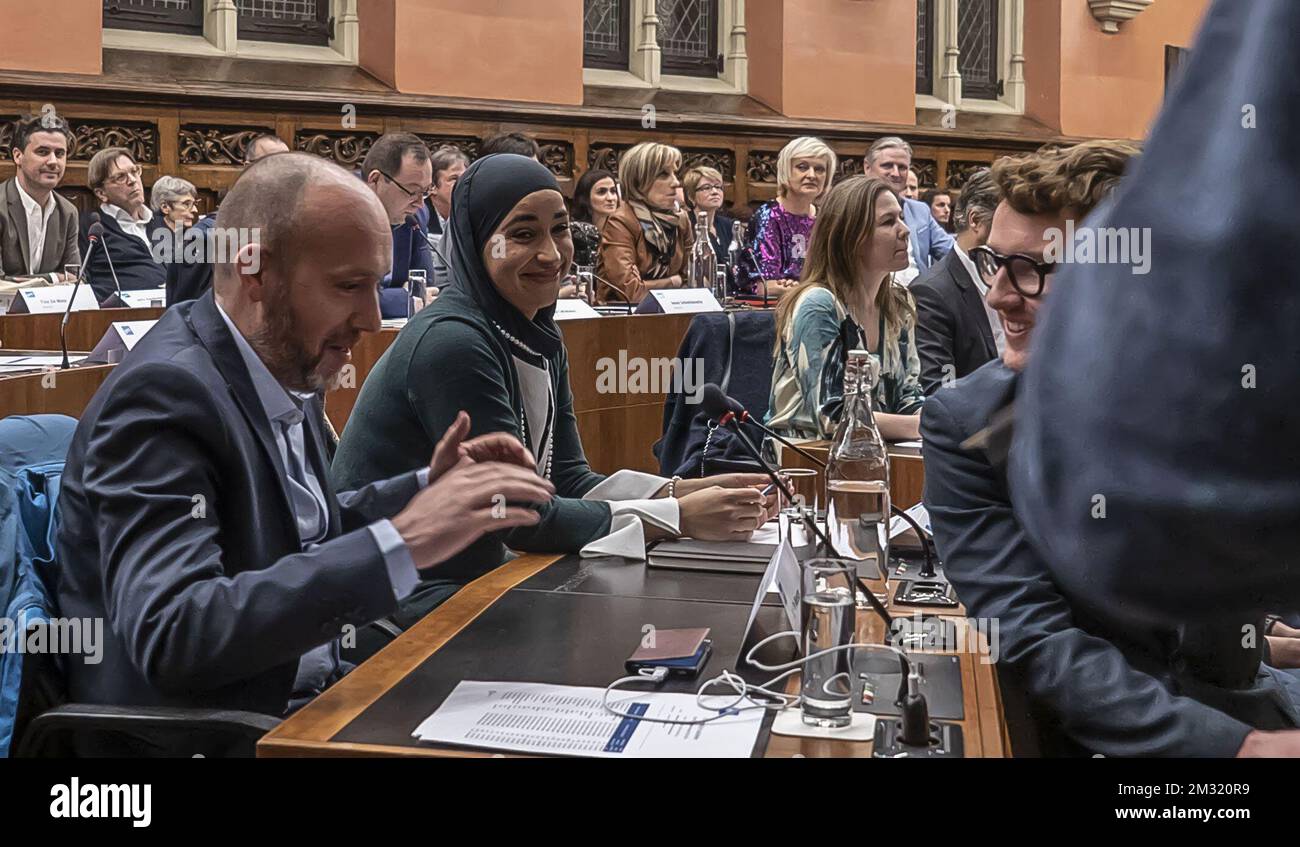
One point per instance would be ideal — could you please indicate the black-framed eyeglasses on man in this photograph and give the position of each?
(1028, 275)
(425, 192)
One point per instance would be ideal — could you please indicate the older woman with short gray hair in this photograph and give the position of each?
(175, 201)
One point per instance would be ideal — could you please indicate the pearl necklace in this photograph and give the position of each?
(549, 450)
(515, 341)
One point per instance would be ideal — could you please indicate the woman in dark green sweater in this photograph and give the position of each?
(490, 347)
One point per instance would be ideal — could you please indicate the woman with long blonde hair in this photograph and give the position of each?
(859, 242)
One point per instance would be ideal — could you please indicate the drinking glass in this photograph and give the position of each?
(829, 622)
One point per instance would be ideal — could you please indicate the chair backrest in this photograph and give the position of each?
(733, 350)
(32, 452)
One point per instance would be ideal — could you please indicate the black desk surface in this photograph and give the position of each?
(565, 621)
(553, 637)
(620, 577)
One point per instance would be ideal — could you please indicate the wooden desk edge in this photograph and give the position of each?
(308, 732)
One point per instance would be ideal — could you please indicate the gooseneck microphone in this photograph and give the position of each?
(734, 406)
(109, 256)
(414, 225)
(715, 404)
(93, 235)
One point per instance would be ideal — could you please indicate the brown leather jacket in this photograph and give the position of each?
(624, 253)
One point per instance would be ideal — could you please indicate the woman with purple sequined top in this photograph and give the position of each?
(780, 230)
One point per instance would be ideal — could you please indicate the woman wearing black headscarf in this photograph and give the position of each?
(489, 346)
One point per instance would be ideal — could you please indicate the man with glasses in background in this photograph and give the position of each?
(124, 260)
(1195, 689)
(399, 171)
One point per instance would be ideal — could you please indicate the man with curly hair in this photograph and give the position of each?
(1177, 690)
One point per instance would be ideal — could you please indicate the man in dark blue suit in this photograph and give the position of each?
(890, 159)
(198, 519)
(1192, 689)
(398, 170)
(126, 258)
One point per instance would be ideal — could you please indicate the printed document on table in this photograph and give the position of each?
(566, 720)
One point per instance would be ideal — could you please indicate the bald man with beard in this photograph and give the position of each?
(198, 519)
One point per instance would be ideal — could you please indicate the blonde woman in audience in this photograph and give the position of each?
(645, 244)
(780, 231)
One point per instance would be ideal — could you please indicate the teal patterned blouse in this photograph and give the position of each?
(801, 356)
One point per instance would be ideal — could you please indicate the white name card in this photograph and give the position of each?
(145, 298)
(686, 301)
(132, 331)
(785, 578)
(54, 299)
(567, 310)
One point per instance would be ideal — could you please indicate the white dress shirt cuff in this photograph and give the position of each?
(422, 476)
(627, 485)
(397, 558)
(627, 522)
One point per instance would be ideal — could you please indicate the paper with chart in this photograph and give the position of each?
(566, 720)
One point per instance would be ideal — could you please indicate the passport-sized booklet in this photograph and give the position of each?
(660, 645)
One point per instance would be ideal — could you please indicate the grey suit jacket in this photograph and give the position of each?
(176, 530)
(60, 234)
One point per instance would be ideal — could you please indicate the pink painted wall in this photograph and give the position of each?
(53, 36)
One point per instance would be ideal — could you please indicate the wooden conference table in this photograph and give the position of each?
(618, 427)
(571, 621)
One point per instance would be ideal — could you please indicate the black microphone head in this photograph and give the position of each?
(713, 401)
(96, 229)
(412, 222)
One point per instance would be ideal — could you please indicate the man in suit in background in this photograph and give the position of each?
(399, 172)
(956, 329)
(188, 279)
(198, 517)
(448, 164)
(1196, 688)
(890, 159)
(125, 258)
(38, 228)
(913, 191)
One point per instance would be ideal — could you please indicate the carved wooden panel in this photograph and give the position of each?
(217, 145)
(92, 136)
(6, 135)
(466, 144)
(207, 147)
(723, 161)
(558, 156)
(959, 171)
(927, 172)
(762, 166)
(850, 166)
(347, 149)
(605, 156)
